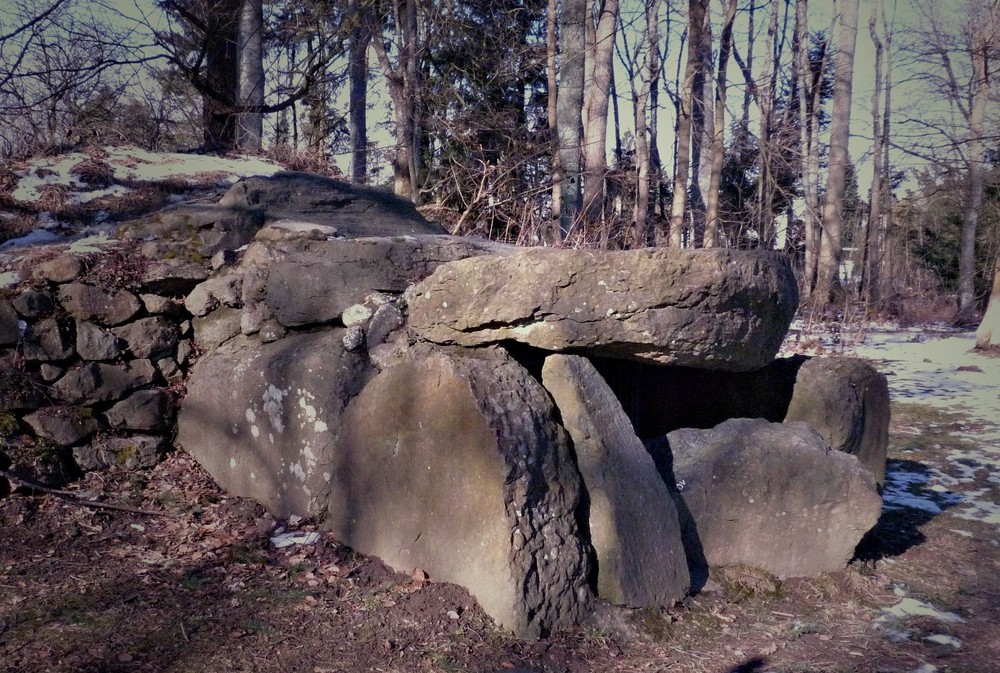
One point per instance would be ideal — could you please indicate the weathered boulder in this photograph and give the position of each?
(145, 410)
(633, 520)
(50, 339)
(269, 432)
(106, 307)
(352, 210)
(132, 453)
(94, 342)
(451, 461)
(846, 400)
(714, 309)
(63, 425)
(99, 382)
(770, 495)
(305, 282)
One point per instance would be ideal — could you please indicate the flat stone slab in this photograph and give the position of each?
(712, 309)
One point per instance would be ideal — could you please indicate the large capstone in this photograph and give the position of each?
(714, 309)
(452, 461)
(263, 419)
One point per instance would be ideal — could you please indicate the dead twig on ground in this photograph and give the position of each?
(19, 482)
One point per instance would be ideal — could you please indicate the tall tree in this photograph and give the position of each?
(696, 22)
(251, 76)
(572, 53)
(404, 80)
(828, 268)
(718, 139)
(871, 252)
(983, 41)
(357, 66)
(595, 114)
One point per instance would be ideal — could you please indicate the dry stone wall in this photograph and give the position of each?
(91, 360)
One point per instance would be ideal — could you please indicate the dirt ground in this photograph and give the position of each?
(199, 587)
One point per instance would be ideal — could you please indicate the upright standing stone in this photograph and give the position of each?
(633, 520)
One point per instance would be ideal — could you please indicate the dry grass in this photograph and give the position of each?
(94, 172)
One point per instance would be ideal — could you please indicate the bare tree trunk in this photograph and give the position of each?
(871, 255)
(357, 69)
(977, 171)
(251, 93)
(748, 90)
(553, 235)
(640, 99)
(655, 162)
(404, 90)
(765, 182)
(828, 270)
(696, 20)
(718, 144)
(572, 48)
(222, 75)
(702, 131)
(596, 112)
(885, 230)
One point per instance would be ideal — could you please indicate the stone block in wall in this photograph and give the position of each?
(9, 330)
(157, 304)
(33, 304)
(132, 453)
(63, 425)
(216, 328)
(93, 342)
(99, 382)
(214, 292)
(146, 410)
(50, 339)
(106, 307)
(61, 269)
(19, 389)
(152, 337)
(173, 278)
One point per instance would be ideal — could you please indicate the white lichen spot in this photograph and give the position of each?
(250, 415)
(327, 476)
(356, 315)
(297, 470)
(319, 426)
(525, 330)
(309, 409)
(232, 463)
(255, 431)
(273, 397)
(253, 475)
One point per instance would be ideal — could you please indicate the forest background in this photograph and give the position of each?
(861, 138)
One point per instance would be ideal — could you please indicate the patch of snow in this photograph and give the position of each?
(943, 639)
(35, 237)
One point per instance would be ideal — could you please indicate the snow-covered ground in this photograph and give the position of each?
(129, 166)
